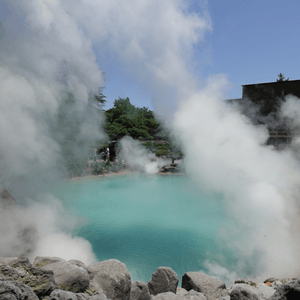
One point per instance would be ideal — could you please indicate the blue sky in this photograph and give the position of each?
(251, 42)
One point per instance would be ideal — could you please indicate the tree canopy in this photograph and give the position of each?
(126, 119)
(281, 78)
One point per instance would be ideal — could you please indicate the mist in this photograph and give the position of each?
(140, 159)
(48, 73)
(48, 76)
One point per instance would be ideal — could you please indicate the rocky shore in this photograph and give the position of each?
(53, 278)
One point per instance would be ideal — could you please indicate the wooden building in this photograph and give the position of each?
(267, 98)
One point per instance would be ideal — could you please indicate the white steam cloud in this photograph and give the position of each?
(138, 158)
(48, 76)
(226, 153)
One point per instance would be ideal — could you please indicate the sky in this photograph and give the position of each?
(250, 42)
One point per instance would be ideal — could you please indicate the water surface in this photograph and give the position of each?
(149, 221)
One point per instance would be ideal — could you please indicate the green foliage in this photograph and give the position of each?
(281, 78)
(100, 98)
(161, 152)
(126, 119)
(98, 168)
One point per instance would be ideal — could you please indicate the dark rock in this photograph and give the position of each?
(164, 279)
(9, 273)
(289, 291)
(110, 277)
(20, 269)
(200, 282)
(12, 290)
(239, 293)
(139, 291)
(69, 277)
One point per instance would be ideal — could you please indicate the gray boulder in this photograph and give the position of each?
(41, 261)
(200, 282)
(289, 291)
(79, 264)
(263, 291)
(19, 263)
(164, 279)
(181, 291)
(9, 273)
(239, 293)
(82, 296)
(13, 290)
(69, 277)
(62, 295)
(139, 291)
(110, 277)
(168, 296)
(98, 297)
(41, 281)
(191, 295)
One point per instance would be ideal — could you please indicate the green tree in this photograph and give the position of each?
(281, 78)
(100, 98)
(126, 119)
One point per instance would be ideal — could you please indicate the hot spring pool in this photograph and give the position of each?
(149, 221)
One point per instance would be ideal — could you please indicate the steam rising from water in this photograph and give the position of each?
(48, 73)
(138, 158)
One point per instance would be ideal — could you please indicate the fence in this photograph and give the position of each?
(280, 137)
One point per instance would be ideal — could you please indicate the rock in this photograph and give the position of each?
(263, 291)
(239, 293)
(12, 290)
(41, 261)
(62, 295)
(181, 291)
(69, 277)
(288, 291)
(82, 296)
(41, 281)
(78, 263)
(200, 282)
(9, 273)
(139, 291)
(98, 297)
(16, 262)
(191, 295)
(110, 277)
(168, 296)
(276, 284)
(224, 298)
(164, 279)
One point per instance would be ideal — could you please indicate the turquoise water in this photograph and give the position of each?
(148, 222)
